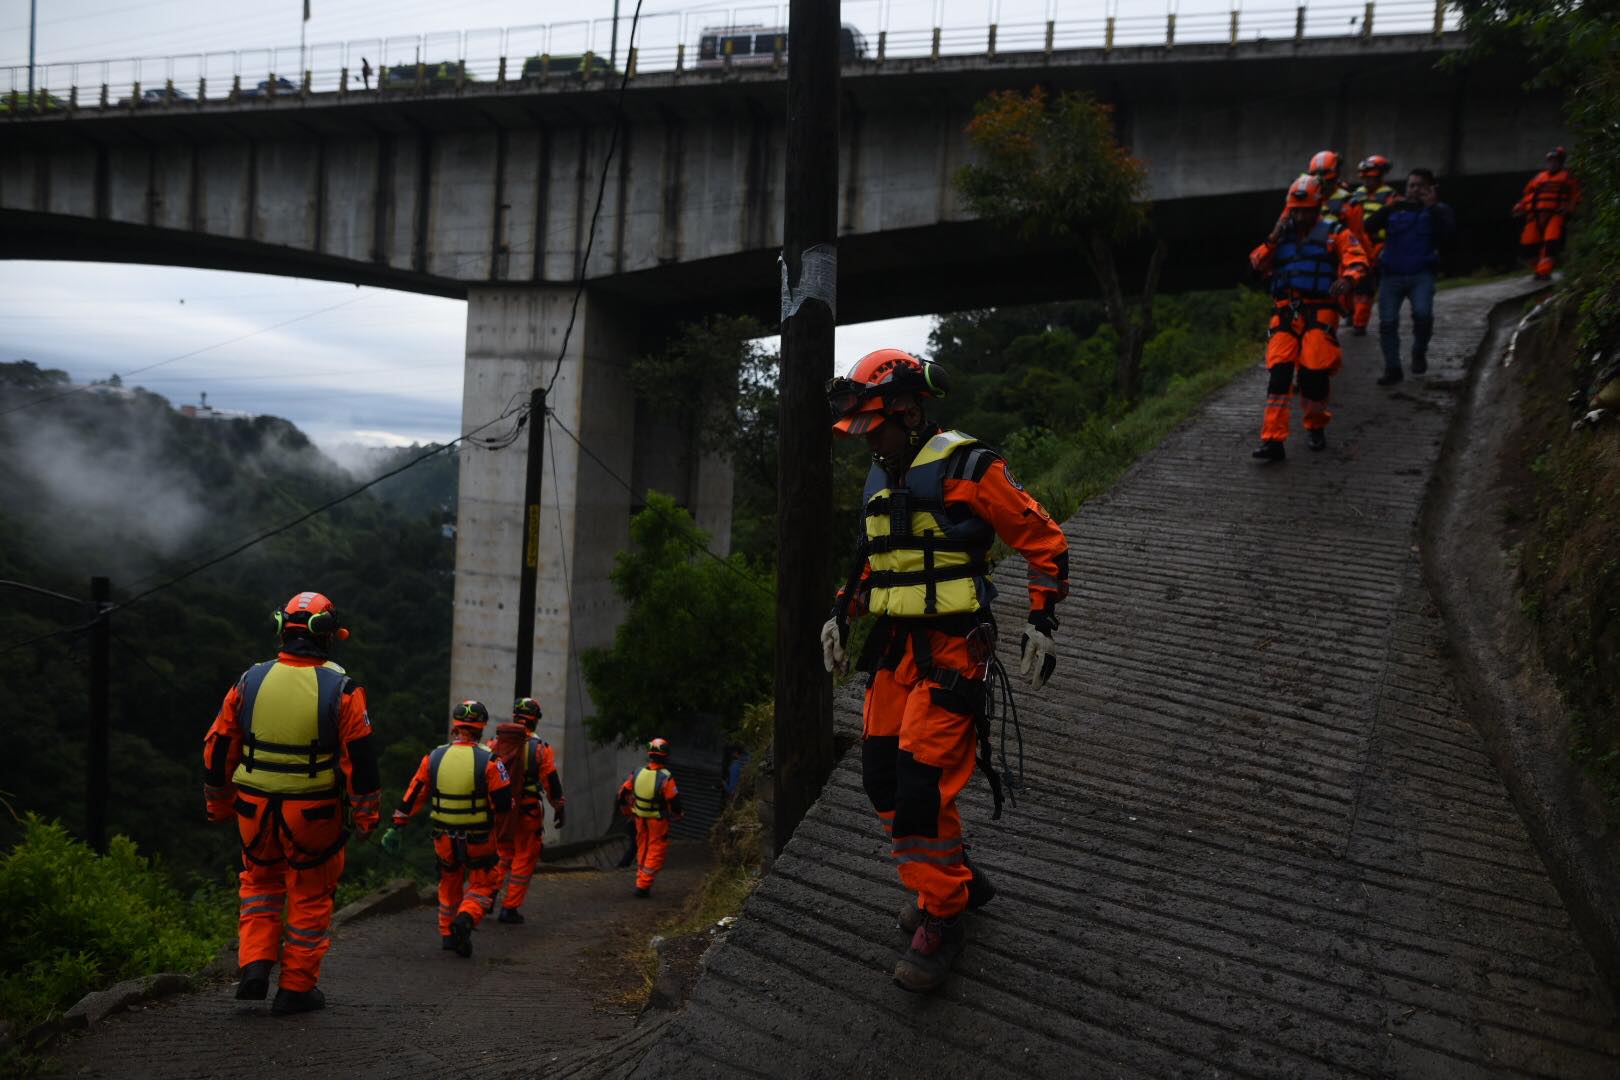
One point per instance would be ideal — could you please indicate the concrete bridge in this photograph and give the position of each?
(486, 193)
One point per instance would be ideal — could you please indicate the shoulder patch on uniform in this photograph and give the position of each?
(1013, 480)
(500, 767)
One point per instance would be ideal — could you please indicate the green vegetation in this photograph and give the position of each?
(77, 921)
(1569, 500)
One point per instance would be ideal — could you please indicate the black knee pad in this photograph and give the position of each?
(1281, 379)
(916, 808)
(1313, 385)
(878, 770)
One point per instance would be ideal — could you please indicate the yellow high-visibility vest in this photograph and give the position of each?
(458, 789)
(923, 562)
(649, 792)
(289, 721)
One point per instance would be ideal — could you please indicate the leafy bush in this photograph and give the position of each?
(77, 921)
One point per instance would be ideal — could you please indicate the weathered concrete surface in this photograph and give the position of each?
(1258, 838)
(399, 1006)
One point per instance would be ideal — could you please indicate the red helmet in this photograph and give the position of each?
(1558, 154)
(1325, 163)
(469, 716)
(860, 401)
(313, 614)
(658, 750)
(1304, 192)
(526, 711)
(1374, 165)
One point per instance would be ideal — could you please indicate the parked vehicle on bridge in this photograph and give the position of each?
(445, 73)
(552, 67)
(18, 101)
(757, 46)
(282, 87)
(159, 96)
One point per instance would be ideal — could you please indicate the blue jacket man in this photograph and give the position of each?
(1415, 229)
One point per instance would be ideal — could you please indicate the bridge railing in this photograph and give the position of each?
(580, 51)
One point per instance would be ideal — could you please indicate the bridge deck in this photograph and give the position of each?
(1259, 838)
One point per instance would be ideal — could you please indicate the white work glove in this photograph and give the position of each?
(1038, 655)
(833, 657)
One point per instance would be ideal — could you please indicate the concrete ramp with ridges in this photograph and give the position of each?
(1258, 837)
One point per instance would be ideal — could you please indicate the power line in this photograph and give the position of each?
(25, 587)
(46, 637)
(601, 192)
(680, 530)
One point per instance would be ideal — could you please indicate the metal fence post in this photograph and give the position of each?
(1108, 36)
(1439, 19)
(1170, 31)
(1299, 23)
(103, 103)
(1367, 22)
(134, 94)
(343, 83)
(883, 45)
(236, 89)
(202, 89)
(1232, 39)
(1051, 32)
(990, 46)
(630, 64)
(500, 73)
(934, 53)
(680, 58)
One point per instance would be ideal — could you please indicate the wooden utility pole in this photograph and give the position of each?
(524, 668)
(95, 817)
(803, 733)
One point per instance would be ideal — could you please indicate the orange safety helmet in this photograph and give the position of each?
(1558, 154)
(1325, 161)
(526, 711)
(1303, 193)
(312, 613)
(658, 750)
(1374, 165)
(860, 401)
(469, 716)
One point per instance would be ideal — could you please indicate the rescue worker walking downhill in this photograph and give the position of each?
(1546, 205)
(934, 503)
(533, 767)
(1339, 204)
(468, 793)
(1371, 197)
(649, 797)
(1312, 263)
(291, 739)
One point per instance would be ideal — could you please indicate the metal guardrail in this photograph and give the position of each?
(538, 55)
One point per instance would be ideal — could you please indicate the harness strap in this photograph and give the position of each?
(890, 579)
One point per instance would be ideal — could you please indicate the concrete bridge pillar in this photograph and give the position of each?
(513, 337)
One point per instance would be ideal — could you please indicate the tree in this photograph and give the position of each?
(1052, 167)
(695, 647)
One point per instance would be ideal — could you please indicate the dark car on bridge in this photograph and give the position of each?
(756, 46)
(158, 95)
(536, 68)
(277, 87)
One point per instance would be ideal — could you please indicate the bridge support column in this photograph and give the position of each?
(513, 337)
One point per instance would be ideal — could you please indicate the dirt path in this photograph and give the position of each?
(399, 1006)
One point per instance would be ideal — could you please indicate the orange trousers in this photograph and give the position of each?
(1307, 342)
(1542, 240)
(917, 752)
(292, 858)
(1366, 291)
(519, 850)
(469, 873)
(652, 843)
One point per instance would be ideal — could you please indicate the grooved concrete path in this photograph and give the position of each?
(1258, 839)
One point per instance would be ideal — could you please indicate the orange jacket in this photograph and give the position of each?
(1021, 522)
(548, 779)
(672, 797)
(357, 756)
(1549, 192)
(1349, 213)
(497, 785)
(1342, 243)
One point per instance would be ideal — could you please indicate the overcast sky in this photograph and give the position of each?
(379, 366)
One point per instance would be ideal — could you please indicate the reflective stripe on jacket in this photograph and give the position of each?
(289, 722)
(1305, 266)
(648, 791)
(1372, 202)
(458, 789)
(925, 559)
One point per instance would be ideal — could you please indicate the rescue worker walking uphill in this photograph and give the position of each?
(1312, 263)
(649, 797)
(533, 767)
(468, 792)
(935, 500)
(1548, 200)
(291, 736)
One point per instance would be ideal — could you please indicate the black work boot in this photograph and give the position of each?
(510, 915)
(253, 981)
(934, 948)
(461, 928)
(643, 891)
(1390, 377)
(447, 942)
(1420, 364)
(297, 1001)
(980, 892)
(1270, 450)
(1316, 439)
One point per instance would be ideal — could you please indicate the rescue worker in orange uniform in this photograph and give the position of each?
(934, 503)
(1312, 264)
(1339, 206)
(649, 797)
(1548, 200)
(291, 739)
(468, 792)
(532, 765)
(1370, 198)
